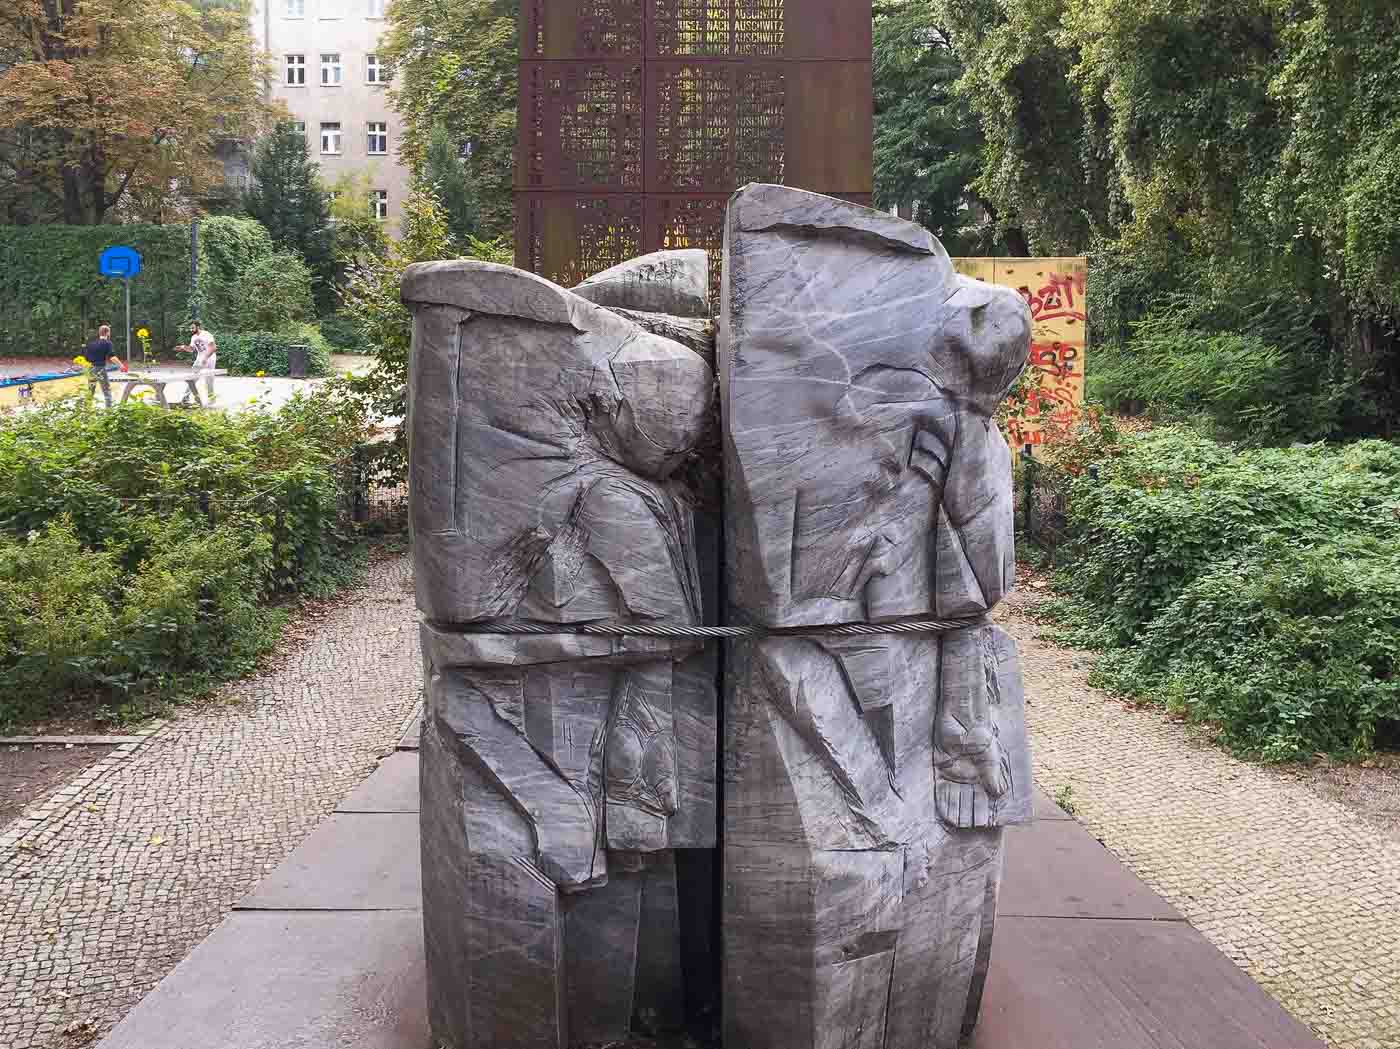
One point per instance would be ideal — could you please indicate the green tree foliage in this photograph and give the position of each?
(1243, 154)
(119, 105)
(445, 175)
(455, 65)
(287, 197)
(927, 144)
(228, 246)
(372, 302)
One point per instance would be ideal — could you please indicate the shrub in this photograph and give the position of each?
(1259, 590)
(342, 333)
(1290, 650)
(276, 290)
(1237, 383)
(139, 548)
(263, 351)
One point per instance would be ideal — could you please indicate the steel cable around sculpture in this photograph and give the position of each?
(922, 626)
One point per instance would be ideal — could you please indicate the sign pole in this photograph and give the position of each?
(127, 282)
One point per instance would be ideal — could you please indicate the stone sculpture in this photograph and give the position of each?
(563, 464)
(561, 771)
(868, 776)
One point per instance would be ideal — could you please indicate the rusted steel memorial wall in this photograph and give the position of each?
(638, 119)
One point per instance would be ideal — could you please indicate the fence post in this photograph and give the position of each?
(1028, 458)
(360, 498)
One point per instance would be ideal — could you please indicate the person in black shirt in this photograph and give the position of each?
(98, 353)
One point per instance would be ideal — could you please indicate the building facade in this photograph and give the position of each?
(326, 68)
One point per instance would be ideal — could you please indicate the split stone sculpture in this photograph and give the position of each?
(868, 776)
(561, 771)
(563, 466)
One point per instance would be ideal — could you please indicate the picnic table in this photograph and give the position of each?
(132, 380)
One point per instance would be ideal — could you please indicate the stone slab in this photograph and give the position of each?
(411, 735)
(1066, 983)
(1057, 869)
(68, 741)
(393, 787)
(1046, 809)
(353, 861)
(311, 980)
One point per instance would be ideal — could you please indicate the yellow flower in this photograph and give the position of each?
(82, 362)
(260, 374)
(142, 333)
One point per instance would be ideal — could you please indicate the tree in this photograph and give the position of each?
(287, 197)
(927, 141)
(445, 175)
(99, 98)
(454, 65)
(371, 297)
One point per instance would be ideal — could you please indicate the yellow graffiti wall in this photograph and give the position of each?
(1054, 289)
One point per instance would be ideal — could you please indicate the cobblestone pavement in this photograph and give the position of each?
(135, 866)
(1301, 893)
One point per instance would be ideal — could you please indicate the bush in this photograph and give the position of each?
(342, 333)
(1259, 590)
(1181, 364)
(276, 290)
(266, 352)
(73, 622)
(1289, 650)
(139, 548)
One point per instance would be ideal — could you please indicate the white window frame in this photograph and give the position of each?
(379, 200)
(294, 9)
(377, 130)
(332, 69)
(375, 70)
(295, 70)
(375, 8)
(331, 134)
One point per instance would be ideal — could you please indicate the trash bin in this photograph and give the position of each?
(297, 360)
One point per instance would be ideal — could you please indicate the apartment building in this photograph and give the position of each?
(327, 69)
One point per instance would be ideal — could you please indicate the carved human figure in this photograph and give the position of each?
(560, 771)
(868, 777)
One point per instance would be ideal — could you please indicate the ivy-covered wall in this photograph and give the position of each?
(52, 296)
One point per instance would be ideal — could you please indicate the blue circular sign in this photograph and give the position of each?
(121, 262)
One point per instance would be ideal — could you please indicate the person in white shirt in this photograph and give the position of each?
(205, 357)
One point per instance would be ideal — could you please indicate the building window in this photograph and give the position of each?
(380, 200)
(295, 9)
(375, 71)
(299, 126)
(296, 70)
(330, 138)
(376, 8)
(330, 69)
(378, 137)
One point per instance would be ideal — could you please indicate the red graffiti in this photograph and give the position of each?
(1060, 298)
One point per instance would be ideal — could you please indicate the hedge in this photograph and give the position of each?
(249, 353)
(52, 296)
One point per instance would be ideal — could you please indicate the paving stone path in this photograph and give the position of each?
(1297, 890)
(137, 865)
(131, 869)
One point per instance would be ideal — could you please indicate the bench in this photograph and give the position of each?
(159, 382)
